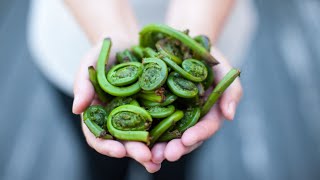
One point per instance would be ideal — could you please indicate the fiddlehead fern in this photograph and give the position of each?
(181, 87)
(210, 78)
(190, 118)
(103, 82)
(142, 77)
(204, 41)
(219, 89)
(137, 51)
(152, 97)
(191, 69)
(129, 122)
(124, 73)
(95, 118)
(160, 112)
(103, 97)
(154, 74)
(147, 39)
(168, 49)
(164, 125)
(195, 68)
(170, 98)
(148, 52)
(119, 101)
(126, 56)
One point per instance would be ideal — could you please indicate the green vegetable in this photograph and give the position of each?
(219, 89)
(164, 125)
(94, 117)
(154, 74)
(192, 70)
(190, 118)
(103, 82)
(124, 73)
(126, 56)
(129, 122)
(181, 87)
(147, 40)
(160, 112)
(156, 91)
(103, 97)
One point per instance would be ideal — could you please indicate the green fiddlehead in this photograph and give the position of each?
(164, 125)
(148, 52)
(126, 56)
(219, 89)
(147, 39)
(201, 90)
(154, 74)
(152, 97)
(195, 68)
(129, 122)
(137, 51)
(204, 41)
(168, 49)
(191, 69)
(103, 82)
(170, 98)
(210, 78)
(95, 118)
(103, 97)
(181, 87)
(119, 101)
(190, 118)
(124, 73)
(169, 69)
(160, 112)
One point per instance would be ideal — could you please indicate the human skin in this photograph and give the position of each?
(207, 18)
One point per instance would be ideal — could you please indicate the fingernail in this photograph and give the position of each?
(75, 102)
(231, 109)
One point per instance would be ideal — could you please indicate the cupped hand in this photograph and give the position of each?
(84, 96)
(209, 124)
(173, 150)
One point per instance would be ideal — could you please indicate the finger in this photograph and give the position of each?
(83, 89)
(205, 128)
(158, 152)
(151, 167)
(106, 147)
(176, 149)
(231, 97)
(138, 151)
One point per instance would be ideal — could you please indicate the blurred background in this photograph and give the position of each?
(275, 135)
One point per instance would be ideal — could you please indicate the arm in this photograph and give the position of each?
(112, 18)
(200, 17)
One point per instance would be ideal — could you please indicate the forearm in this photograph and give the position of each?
(199, 16)
(101, 18)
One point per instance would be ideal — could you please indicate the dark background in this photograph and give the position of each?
(275, 135)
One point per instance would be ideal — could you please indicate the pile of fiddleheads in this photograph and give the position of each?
(156, 91)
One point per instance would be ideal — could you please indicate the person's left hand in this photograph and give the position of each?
(209, 124)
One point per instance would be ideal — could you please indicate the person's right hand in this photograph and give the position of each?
(84, 96)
